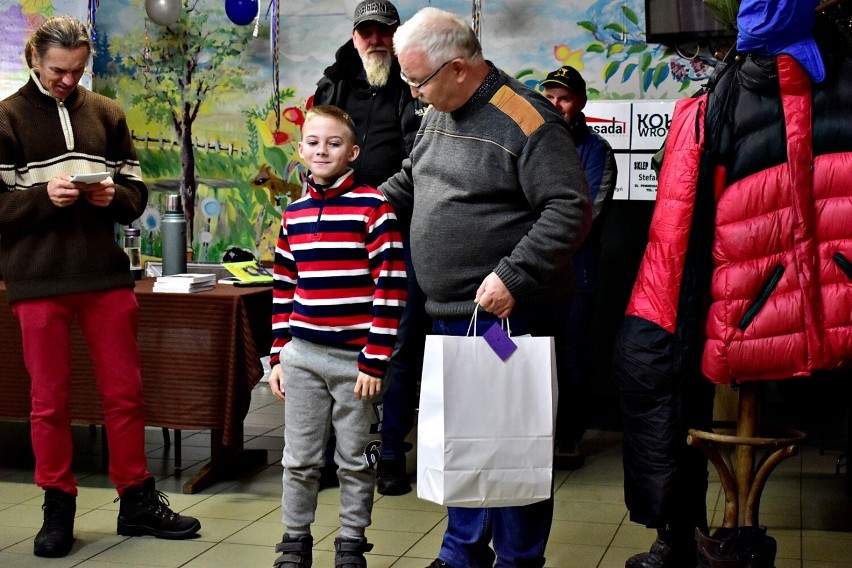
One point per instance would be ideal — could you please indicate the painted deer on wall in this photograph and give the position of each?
(266, 179)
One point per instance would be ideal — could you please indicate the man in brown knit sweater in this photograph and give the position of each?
(61, 263)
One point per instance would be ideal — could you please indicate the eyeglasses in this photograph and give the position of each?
(431, 76)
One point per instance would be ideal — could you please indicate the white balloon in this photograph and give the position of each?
(164, 12)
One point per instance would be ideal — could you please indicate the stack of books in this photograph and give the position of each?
(185, 283)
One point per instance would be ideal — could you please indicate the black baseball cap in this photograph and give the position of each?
(568, 77)
(379, 11)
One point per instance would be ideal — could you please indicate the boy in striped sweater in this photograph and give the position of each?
(338, 294)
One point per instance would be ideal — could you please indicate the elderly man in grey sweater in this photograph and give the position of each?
(497, 202)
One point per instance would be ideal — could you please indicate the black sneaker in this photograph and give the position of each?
(56, 536)
(438, 563)
(349, 552)
(567, 456)
(295, 552)
(145, 511)
(392, 479)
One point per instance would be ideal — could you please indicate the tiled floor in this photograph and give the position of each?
(804, 507)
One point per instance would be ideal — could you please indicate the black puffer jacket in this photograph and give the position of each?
(386, 119)
(745, 120)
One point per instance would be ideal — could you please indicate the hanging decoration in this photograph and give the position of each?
(241, 12)
(256, 31)
(164, 12)
(90, 18)
(146, 55)
(146, 51)
(476, 19)
(90, 27)
(275, 30)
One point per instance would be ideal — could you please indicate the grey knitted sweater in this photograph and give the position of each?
(495, 186)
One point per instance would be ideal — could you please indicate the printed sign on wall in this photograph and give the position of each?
(636, 131)
(622, 187)
(611, 120)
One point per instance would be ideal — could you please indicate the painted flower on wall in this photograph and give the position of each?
(150, 220)
(567, 56)
(294, 115)
(286, 130)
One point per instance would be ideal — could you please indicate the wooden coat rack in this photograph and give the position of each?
(742, 479)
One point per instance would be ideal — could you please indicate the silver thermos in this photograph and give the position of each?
(174, 237)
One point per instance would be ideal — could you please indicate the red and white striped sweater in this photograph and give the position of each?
(340, 273)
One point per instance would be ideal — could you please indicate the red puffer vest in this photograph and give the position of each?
(782, 250)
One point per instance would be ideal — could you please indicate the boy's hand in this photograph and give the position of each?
(276, 382)
(366, 387)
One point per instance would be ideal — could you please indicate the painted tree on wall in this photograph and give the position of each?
(180, 66)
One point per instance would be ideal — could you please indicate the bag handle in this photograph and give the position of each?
(504, 324)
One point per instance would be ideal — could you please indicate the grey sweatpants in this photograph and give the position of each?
(320, 390)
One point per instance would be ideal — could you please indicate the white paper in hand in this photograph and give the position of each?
(90, 178)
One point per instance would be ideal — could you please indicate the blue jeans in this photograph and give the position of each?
(400, 398)
(519, 534)
(575, 382)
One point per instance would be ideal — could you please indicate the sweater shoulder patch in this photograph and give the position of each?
(519, 109)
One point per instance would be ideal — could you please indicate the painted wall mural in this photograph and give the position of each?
(18, 18)
(216, 101)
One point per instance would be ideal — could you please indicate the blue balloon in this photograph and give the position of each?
(241, 12)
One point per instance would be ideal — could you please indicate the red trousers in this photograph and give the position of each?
(108, 319)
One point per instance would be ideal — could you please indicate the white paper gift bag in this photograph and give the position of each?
(485, 425)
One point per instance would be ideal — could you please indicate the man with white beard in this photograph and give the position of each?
(365, 81)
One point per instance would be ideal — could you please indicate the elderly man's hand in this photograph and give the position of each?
(494, 297)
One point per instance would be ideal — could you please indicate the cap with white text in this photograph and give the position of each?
(379, 11)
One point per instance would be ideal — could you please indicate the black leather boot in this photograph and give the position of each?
(349, 552)
(56, 536)
(145, 511)
(391, 478)
(675, 547)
